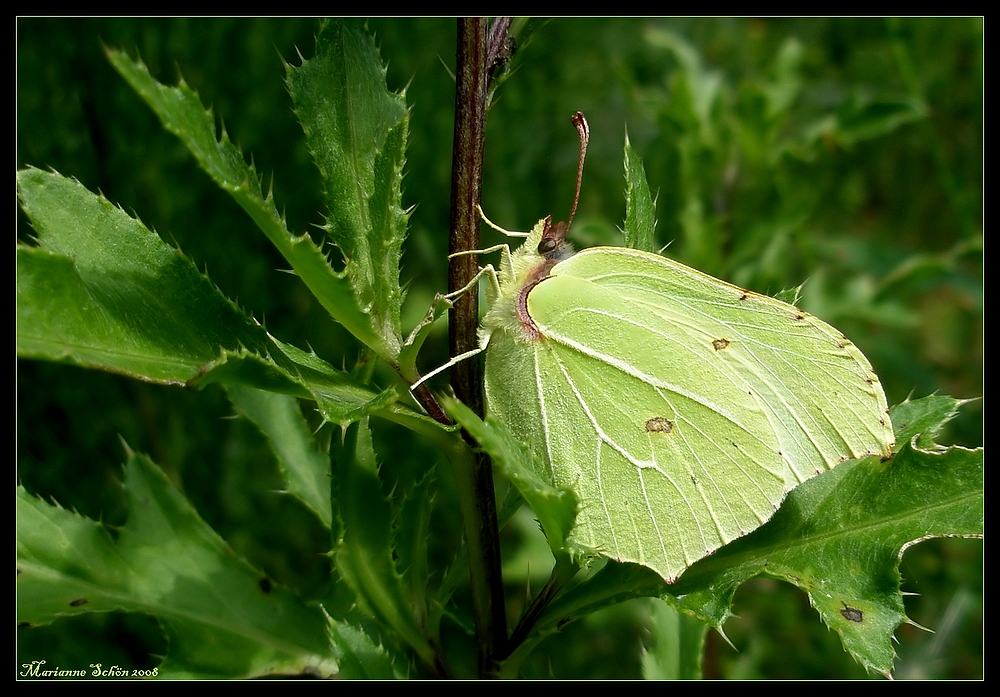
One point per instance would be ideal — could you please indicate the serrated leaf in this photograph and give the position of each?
(413, 533)
(340, 397)
(675, 644)
(181, 112)
(360, 657)
(792, 296)
(223, 621)
(356, 131)
(923, 419)
(251, 370)
(103, 291)
(838, 536)
(365, 544)
(304, 467)
(640, 210)
(556, 508)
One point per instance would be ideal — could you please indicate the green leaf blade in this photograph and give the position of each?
(555, 507)
(166, 562)
(678, 643)
(640, 209)
(840, 537)
(181, 112)
(360, 657)
(305, 469)
(104, 291)
(365, 542)
(356, 131)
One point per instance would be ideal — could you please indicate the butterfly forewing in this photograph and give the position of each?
(678, 470)
(823, 399)
(678, 407)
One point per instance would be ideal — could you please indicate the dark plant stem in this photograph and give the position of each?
(481, 528)
(427, 400)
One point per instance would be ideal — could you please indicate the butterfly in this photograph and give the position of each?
(678, 407)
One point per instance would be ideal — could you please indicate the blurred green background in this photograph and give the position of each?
(844, 153)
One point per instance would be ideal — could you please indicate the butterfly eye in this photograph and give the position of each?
(547, 245)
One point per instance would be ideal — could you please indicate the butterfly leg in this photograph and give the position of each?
(488, 271)
(508, 233)
(454, 361)
(493, 289)
(506, 265)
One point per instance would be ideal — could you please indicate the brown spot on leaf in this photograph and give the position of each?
(265, 584)
(852, 614)
(719, 344)
(78, 602)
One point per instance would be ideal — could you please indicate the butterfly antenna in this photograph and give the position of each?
(580, 121)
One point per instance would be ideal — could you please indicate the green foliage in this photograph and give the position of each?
(98, 275)
(223, 618)
(357, 137)
(839, 537)
(304, 467)
(365, 546)
(640, 209)
(182, 114)
(556, 508)
(845, 152)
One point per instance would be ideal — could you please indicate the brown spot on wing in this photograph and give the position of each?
(659, 425)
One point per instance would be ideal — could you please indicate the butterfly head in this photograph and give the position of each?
(554, 246)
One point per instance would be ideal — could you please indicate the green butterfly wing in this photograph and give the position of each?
(678, 407)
